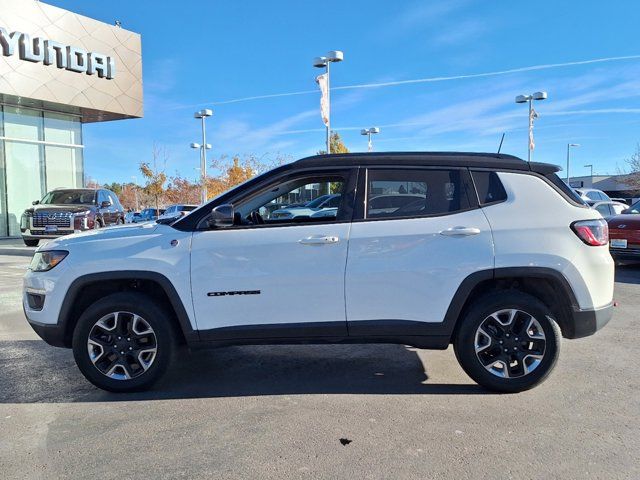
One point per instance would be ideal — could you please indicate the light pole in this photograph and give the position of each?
(203, 161)
(590, 166)
(368, 132)
(529, 99)
(569, 145)
(324, 62)
(135, 191)
(202, 115)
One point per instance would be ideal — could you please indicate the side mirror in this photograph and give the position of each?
(222, 216)
(626, 210)
(35, 202)
(105, 204)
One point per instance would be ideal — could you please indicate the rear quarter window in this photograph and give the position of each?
(489, 187)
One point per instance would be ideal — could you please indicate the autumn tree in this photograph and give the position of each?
(182, 190)
(155, 177)
(237, 170)
(336, 143)
(337, 146)
(129, 196)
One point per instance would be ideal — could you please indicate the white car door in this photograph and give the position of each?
(279, 279)
(405, 266)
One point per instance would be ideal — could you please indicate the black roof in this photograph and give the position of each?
(499, 161)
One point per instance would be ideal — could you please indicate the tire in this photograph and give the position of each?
(121, 345)
(489, 329)
(30, 243)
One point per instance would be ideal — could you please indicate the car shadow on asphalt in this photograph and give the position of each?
(33, 372)
(628, 273)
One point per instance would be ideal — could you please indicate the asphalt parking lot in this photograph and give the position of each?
(281, 412)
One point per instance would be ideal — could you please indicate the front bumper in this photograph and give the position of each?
(41, 234)
(53, 334)
(583, 323)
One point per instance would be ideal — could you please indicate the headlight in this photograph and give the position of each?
(46, 260)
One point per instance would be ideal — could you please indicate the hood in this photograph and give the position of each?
(124, 232)
(60, 208)
(630, 221)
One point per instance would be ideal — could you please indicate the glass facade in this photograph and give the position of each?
(39, 151)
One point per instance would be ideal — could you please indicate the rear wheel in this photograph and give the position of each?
(31, 242)
(123, 342)
(508, 342)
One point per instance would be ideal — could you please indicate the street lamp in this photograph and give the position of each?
(324, 62)
(368, 132)
(203, 179)
(529, 99)
(135, 191)
(202, 115)
(590, 166)
(569, 145)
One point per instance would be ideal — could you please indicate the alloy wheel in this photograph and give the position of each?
(510, 343)
(122, 345)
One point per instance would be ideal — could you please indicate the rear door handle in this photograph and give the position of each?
(460, 231)
(319, 240)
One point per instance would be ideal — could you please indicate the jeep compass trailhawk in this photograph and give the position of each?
(487, 252)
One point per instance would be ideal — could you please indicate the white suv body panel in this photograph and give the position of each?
(405, 269)
(283, 264)
(144, 247)
(532, 228)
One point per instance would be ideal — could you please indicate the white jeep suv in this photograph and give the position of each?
(491, 254)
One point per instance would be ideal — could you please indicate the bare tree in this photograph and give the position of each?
(633, 165)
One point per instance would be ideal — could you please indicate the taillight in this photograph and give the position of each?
(592, 232)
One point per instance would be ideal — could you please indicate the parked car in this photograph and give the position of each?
(475, 261)
(148, 215)
(130, 217)
(608, 209)
(624, 232)
(320, 203)
(177, 211)
(69, 210)
(592, 194)
(381, 204)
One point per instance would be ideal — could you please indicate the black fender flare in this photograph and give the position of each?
(71, 297)
(468, 285)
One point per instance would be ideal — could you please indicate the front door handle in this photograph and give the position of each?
(319, 240)
(460, 231)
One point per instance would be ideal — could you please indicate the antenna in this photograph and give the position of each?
(501, 140)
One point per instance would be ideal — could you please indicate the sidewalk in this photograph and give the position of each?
(15, 246)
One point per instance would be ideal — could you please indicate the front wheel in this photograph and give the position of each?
(31, 242)
(508, 342)
(123, 342)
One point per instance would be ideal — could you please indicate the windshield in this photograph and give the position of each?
(70, 197)
(635, 208)
(316, 203)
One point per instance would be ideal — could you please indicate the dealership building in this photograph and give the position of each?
(58, 70)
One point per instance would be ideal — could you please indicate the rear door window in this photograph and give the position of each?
(414, 193)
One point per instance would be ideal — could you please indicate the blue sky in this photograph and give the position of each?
(199, 54)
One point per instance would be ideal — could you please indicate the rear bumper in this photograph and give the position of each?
(587, 322)
(632, 254)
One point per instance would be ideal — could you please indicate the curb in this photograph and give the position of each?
(19, 252)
